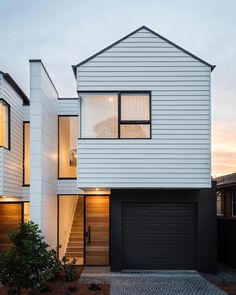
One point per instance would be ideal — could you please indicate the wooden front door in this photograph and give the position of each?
(97, 230)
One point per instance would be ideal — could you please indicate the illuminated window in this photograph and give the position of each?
(115, 115)
(26, 174)
(4, 124)
(68, 134)
(99, 116)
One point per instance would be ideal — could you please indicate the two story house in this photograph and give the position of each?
(121, 174)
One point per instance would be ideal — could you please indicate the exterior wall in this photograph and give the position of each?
(227, 241)
(1, 149)
(206, 221)
(68, 106)
(68, 187)
(12, 160)
(43, 154)
(26, 113)
(178, 155)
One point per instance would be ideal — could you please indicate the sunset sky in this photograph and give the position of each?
(64, 32)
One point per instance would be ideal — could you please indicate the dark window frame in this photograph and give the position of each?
(58, 147)
(24, 123)
(233, 201)
(9, 125)
(122, 122)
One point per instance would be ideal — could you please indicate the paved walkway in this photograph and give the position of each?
(151, 283)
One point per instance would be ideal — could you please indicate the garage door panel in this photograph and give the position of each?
(159, 235)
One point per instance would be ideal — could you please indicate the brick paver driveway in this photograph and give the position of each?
(153, 283)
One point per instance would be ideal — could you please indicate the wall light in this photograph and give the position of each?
(73, 157)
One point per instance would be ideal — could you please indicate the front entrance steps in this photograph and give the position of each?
(75, 246)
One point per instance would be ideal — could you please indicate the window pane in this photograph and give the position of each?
(234, 203)
(134, 131)
(234, 209)
(68, 134)
(135, 107)
(26, 153)
(4, 117)
(99, 116)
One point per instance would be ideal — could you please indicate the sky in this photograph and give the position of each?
(64, 32)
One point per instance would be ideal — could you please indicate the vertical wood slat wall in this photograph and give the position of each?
(10, 217)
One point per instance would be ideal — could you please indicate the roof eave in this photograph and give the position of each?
(16, 87)
(74, 67)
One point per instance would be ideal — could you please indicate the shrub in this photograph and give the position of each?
(68, 268)
(29, 263)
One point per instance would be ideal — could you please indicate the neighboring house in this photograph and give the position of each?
(226, 211)
(121, 174)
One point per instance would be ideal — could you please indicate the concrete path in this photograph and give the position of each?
(151, 283)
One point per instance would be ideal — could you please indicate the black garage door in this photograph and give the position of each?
(159, 235)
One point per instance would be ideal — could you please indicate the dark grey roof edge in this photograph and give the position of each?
(16, 87)
(227, 179)
(39, 60)
(132, 33)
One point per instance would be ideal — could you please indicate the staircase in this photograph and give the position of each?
(75, 246)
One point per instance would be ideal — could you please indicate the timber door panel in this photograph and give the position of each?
(97, 230)
(10, 217)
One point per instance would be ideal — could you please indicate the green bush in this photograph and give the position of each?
(29, 263)
(68, 268)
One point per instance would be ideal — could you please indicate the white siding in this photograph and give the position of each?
(43, 142)
(26, 113)
(1, 149)
(68, 107)
(12, 160)
(68, 187)
(25, 192)
(178, 155)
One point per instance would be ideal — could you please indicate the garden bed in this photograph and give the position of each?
(228, 287)
(59, 286)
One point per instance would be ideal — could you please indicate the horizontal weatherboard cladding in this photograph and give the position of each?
(178, 154)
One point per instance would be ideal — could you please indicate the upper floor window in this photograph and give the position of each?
(220, 201)
(68, 134)
(234, 202)
(4, 124)
(26, 151)
(115, 115)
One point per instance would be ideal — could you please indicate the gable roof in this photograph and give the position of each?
(132, 33)
(17, 89)
(226, 180)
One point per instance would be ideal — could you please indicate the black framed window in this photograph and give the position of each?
(4, 124)
(123, 115)
(26, 153)
(67, 142)
(234, 202)
(135, 121)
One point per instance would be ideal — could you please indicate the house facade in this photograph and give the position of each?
(121, 174)
(226, 212)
